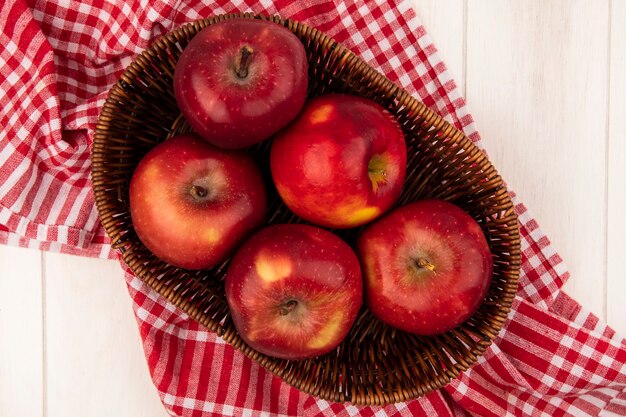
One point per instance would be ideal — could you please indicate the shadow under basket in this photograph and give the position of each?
(375, 364)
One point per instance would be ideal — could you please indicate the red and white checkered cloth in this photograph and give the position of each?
(57, 61)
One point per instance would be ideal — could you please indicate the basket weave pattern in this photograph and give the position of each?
(376, 364)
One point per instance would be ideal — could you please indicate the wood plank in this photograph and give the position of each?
(616, 278)
(537, 87)
(444, 21)
(95, 361)
(21, 333)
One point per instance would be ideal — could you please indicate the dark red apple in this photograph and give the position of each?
(427, 267)
(341, 163)
(239, 81)
(191, 203)
(294, 291)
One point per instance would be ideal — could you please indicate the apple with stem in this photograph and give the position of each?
(341, 163)
(191, 203)
(427, 267)
(294, 291)
(239, 81)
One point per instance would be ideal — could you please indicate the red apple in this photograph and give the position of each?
(191, 203)
(239, 81)
(341, 163)
(294, 291)
(427, 267)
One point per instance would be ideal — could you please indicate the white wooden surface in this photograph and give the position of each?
(546, 83)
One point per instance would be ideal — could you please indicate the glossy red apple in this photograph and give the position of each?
(427, 267)
(341, 163)
(191, 203)
(294, 291)
(239, 81)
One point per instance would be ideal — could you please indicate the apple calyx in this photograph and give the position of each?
(200, 193)
(287, 307)
(244, 61)
(376, 170)
(424, 263)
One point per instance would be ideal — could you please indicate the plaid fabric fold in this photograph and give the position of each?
(58, 62)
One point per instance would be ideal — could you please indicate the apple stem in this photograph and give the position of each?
(244, 62)
(287, 307)
(423, 263)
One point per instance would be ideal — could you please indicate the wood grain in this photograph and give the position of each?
(537, 87)
(21, 333)
(96, 365)
(616, 238)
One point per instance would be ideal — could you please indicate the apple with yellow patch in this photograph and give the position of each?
(294, 291)
(191, 203)
(341, 163)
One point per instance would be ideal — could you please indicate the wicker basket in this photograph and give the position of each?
(376, 364)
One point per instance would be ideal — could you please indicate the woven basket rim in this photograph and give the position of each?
(359, 68)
